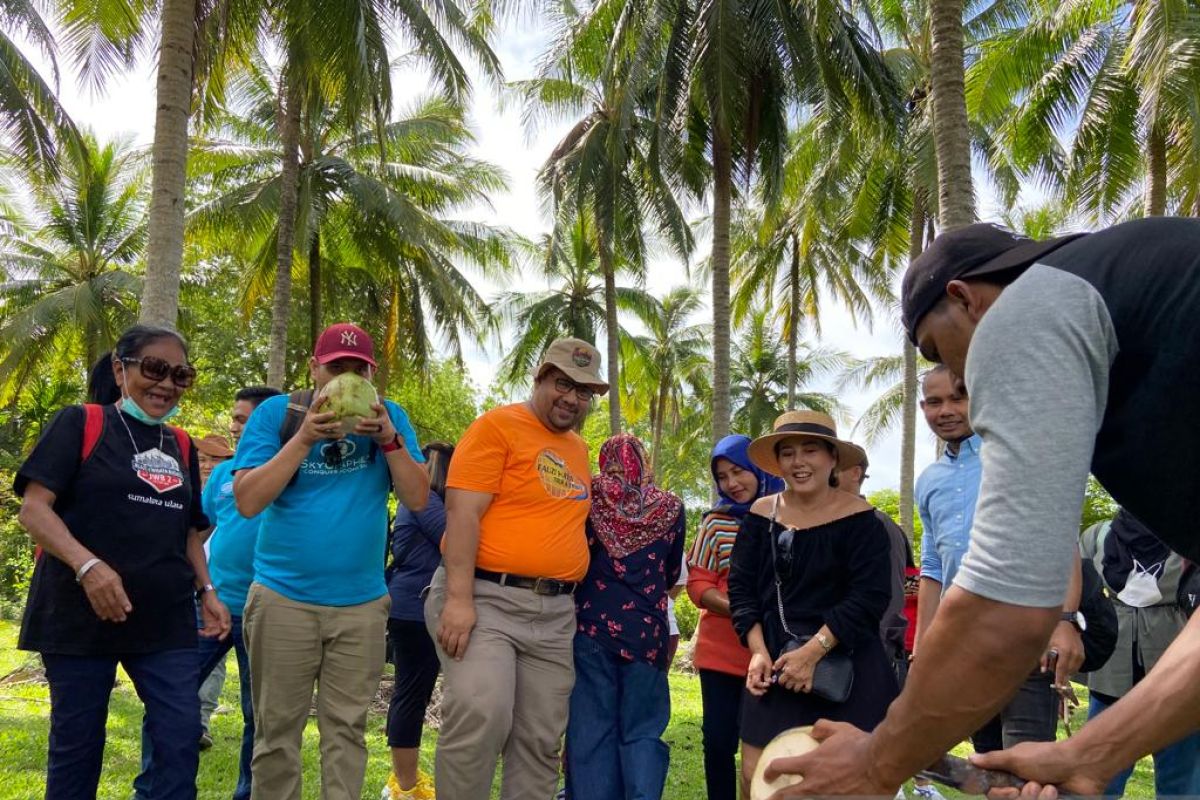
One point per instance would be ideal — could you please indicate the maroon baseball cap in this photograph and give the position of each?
(969, 252)
(344, 340)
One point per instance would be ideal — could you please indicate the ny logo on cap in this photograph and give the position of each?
(350, 338)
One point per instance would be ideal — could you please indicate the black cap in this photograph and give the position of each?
(979, 249)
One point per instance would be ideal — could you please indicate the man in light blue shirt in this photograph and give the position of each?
(317, 609)
(946, 494)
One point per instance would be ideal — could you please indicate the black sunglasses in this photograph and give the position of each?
(157, 369)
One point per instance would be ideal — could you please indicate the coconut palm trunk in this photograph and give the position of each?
(793, 321)
(722, 198)
(612, 332)
(289, 179)
(951, 134)
(173, 97)
(908, 428)
(660, 419)
(391, 339)
(1156, 171)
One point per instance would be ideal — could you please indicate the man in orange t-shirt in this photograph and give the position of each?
(500, 607)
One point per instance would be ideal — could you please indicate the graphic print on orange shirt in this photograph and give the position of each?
(557, 479)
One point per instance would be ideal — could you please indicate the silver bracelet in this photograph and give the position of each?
(83, 570)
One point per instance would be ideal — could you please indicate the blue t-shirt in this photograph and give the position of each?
(231, 546)
(323, 539)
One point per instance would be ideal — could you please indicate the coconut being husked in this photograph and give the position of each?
(792, 742)
(350, 399)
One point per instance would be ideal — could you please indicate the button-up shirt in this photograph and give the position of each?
(946, 494)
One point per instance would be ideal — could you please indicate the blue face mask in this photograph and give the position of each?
(137, 412)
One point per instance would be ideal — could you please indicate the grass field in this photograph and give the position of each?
(25, 708)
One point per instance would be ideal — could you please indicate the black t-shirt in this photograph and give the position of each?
(132, 507)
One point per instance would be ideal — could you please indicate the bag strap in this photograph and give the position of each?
(299, 402)
(93, 430)
(775, 570)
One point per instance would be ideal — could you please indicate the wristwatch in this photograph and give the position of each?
(395, 444)
(1076, 618)
(205, 589)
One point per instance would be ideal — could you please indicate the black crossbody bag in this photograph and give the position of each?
(833, 676)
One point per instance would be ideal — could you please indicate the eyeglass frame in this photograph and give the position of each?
(564, 385)
(172, 370)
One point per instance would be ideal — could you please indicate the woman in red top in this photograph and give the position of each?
(718, 653)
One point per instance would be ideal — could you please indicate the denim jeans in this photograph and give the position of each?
(211, 652)
(1030, 716)
(619, 710)
(80, 687)
(1176, 766)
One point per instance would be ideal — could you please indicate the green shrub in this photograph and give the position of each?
(687, 615)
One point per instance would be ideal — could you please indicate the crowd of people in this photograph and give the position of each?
(542, 593)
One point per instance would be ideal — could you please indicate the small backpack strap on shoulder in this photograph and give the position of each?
(93, 429)
(185, 447)
(299, 402)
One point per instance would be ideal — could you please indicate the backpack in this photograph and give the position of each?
(299, 402)
(93, 432)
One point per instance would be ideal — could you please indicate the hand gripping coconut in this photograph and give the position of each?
(792, 742)
(350, 397)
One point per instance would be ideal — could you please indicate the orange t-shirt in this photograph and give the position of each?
(541, 491)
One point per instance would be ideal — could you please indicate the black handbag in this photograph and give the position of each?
(833, 675)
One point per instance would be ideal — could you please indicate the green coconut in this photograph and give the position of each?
(350, 397)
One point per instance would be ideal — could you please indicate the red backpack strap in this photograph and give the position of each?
(185, 447)
(93, 429)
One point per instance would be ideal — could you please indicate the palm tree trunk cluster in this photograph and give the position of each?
(951, 131)
(289, 111)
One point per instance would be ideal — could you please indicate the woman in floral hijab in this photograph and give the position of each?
(621, 704)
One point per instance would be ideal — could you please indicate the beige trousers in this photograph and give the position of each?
(293, 646)
(508, 696)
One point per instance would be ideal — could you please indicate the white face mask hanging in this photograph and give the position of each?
(1141, 587)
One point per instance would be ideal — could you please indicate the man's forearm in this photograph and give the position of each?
(255, 489)
(929, 596)
(409, 478)
(461, 547)
(972, 658)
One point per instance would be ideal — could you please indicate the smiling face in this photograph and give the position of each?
(806, 463)
(946, 406)
(739, 485)
(558, 410)
(156, 398)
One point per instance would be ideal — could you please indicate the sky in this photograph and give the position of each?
(125, 107)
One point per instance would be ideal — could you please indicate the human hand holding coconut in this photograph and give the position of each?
(379, 427)
(841, 765)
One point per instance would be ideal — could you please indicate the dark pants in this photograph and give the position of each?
(1031, 716)
(1176, 766)
(415, 658)
(721, 695)
(619, 710)
(80, 687)
(211, 652)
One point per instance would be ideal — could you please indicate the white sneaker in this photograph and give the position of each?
(928, 792)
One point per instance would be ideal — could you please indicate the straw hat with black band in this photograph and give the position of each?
(800, 424)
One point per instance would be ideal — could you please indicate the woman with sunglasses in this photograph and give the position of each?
(111, 494)
(810, 579)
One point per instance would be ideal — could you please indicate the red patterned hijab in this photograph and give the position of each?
(628, 511)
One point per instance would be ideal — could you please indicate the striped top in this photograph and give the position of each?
(717, 647)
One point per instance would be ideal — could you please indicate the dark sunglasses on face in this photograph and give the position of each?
(157, 369)
(582, 392)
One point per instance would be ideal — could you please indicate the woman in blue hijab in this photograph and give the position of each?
(718, 654)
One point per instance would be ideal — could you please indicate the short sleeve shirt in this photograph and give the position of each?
(231, 546)
(324, 539)
(131, 503)
(541, 489)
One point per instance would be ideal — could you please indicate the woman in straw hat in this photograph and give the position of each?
(810, 577)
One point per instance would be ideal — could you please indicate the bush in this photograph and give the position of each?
(687, 615)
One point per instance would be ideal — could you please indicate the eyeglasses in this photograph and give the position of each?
(582, 392)
(157, 369)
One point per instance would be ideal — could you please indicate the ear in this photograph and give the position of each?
(313, 366)
(118, 368)
(973, 297)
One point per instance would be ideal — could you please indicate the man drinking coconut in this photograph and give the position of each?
(1078, 353)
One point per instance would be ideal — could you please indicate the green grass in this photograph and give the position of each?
(24, 721)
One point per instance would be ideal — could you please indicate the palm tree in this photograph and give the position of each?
(760, 375)
(571, 305)
(603, 167)
(381, 231)
(951, 131)
(729, 73)
(664, 364)
(1116, 79)
(68, 282)
(31, 118)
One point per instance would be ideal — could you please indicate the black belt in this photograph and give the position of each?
(546, 586)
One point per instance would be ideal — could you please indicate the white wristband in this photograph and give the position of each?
(83, 570)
